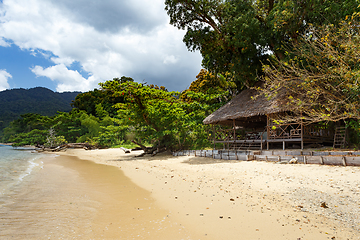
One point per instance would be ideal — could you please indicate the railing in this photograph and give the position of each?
(316, 131)
(224, 135)
(286, 131)
(229, 135)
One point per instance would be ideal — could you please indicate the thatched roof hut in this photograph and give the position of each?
(250, 110)
(246, 110)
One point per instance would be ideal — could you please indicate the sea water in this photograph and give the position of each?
(15, 165)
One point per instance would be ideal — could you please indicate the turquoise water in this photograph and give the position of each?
(15, 165)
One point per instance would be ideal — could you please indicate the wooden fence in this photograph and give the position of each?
(345, 158)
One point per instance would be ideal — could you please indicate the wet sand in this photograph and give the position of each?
(73, 199)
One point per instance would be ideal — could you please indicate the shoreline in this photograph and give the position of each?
(216, 199)
(70, 198)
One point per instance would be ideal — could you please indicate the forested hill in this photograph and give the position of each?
(39, 100)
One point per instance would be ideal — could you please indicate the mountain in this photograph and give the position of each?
(39, 100)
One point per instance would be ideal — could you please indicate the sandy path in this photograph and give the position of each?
(246, 200)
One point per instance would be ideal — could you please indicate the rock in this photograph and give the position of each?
(323, 205)
(293, 160)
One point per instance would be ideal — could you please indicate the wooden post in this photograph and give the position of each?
(305, 160)
(267, 132)
(344, 161)
(321, 160)
(234, 136)
(214, 135)
(302, 133)
(283, 145)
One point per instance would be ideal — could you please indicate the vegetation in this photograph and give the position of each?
(320, 76)
(236, 36)
(124, 112)
(163, 118)
(307, 50)
(16, 102)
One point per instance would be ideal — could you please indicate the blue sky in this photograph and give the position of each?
(72, 45)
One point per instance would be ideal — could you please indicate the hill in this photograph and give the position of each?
(39, 100)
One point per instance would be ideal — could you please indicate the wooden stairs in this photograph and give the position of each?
(340, 137)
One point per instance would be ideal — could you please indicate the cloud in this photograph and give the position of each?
(4, 43)
(4, 76)
(69, 80)
(108, 39)
(114, 15)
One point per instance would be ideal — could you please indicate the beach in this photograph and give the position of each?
(107, 194)
(214, 199)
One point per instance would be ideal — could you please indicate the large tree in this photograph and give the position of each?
(236, 36)
(320, 76)
(161, 118)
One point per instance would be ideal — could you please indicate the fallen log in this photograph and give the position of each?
(149, 150)
(126, 150)
(86, 146)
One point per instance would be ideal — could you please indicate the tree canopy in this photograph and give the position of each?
(161, 118)
(236, 36)
(320, 76)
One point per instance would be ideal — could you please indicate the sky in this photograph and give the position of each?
(72, 45)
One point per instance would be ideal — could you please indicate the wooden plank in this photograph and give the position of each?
(312, 160)
(353, 161)
(331, 160)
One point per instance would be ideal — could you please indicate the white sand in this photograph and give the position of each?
(246, 200)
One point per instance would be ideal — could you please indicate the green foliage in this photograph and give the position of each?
(148, 114)
(76, 126)
(34, 137)
(236, 36)
(69, 125)
(89, 101)
(26, 123)
(16, 102)
(320, 75)
(159, 117)
(208, 83)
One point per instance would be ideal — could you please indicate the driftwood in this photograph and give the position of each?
(149, 150)
(86, 146)
(126, 150)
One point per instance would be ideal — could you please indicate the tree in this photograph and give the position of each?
(69, 125)
(320, 77)
(208, 83)
(236, 36)
(160, 117)
(34, 137)
(87, 101)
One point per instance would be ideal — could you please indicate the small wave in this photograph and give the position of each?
(28, 171)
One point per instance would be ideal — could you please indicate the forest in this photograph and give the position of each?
(15, 102)
(307, 49)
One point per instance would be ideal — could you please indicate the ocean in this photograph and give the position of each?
(15, 165)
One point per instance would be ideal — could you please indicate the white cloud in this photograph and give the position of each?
(4, 43)
(69, 80)
(4, 76)
(131, 38)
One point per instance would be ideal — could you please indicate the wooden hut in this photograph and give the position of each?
(253, 124)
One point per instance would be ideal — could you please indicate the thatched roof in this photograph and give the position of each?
(244, 106)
